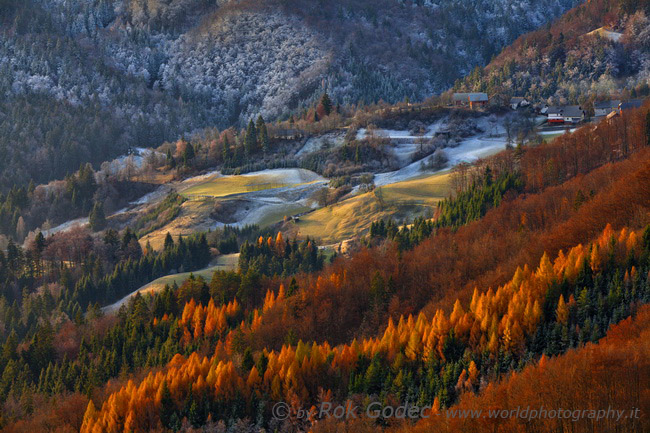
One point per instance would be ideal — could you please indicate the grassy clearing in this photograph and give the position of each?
(353, 216)
(193, 217)
(222, 186)
(277, 213)
(157, 177)
(161, 215)
(427, 190)
(229, 262)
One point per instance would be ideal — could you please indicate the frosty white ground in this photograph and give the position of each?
(314, 144)
(557, 132)
(304, 182)
(301, 185)
(137, 158)
(288, 175)
(156, 195)
(68, 225)
(469, 150)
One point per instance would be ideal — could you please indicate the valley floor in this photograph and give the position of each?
(265, 198)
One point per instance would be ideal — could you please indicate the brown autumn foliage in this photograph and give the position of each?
(521, 230)
(63, 415)
(484, 253)
(607, 168)
(614, 373)
(573, 24)
(333, 304)
(497, 321)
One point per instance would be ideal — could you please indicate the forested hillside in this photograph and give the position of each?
(569, 63)
(128, 305)
(84, 80)
(583, 377)
(432, 320)
(420, 359)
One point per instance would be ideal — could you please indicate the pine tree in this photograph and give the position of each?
(250, 142)
(167, 407)
(10, 347)
(195, 414)
(326, 103)
(97, 218)
(293, 287)
(169, 242)
(40, 242)
(188, 154)
(226, 150)
(377, 289)
(646, 238)
(262, 134)
(171, 162)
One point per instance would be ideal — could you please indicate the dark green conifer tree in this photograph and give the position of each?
(250, 141)
(326, 102)
(97, 218)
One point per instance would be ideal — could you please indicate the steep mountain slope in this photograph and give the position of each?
(581, 382)
(359, 52)
(85, 79)
(599, 49)
(440, 318)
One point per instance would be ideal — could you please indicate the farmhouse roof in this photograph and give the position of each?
(472, 97)
(566, 111)
(603, 105)
(631, 104)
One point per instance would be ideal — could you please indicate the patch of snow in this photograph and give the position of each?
(137, 158)
(388, 133)
(431, 132)
(606, 34)
(435, 127)
(255, 216)
(468, 150)
(475, 148)
(65, 226)
(559, 131)
(274, 201)
(314, 144)
(409, 172)
(405, 144)
(203, 177)
(121, 162)
(159, 193)
(288, 175)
